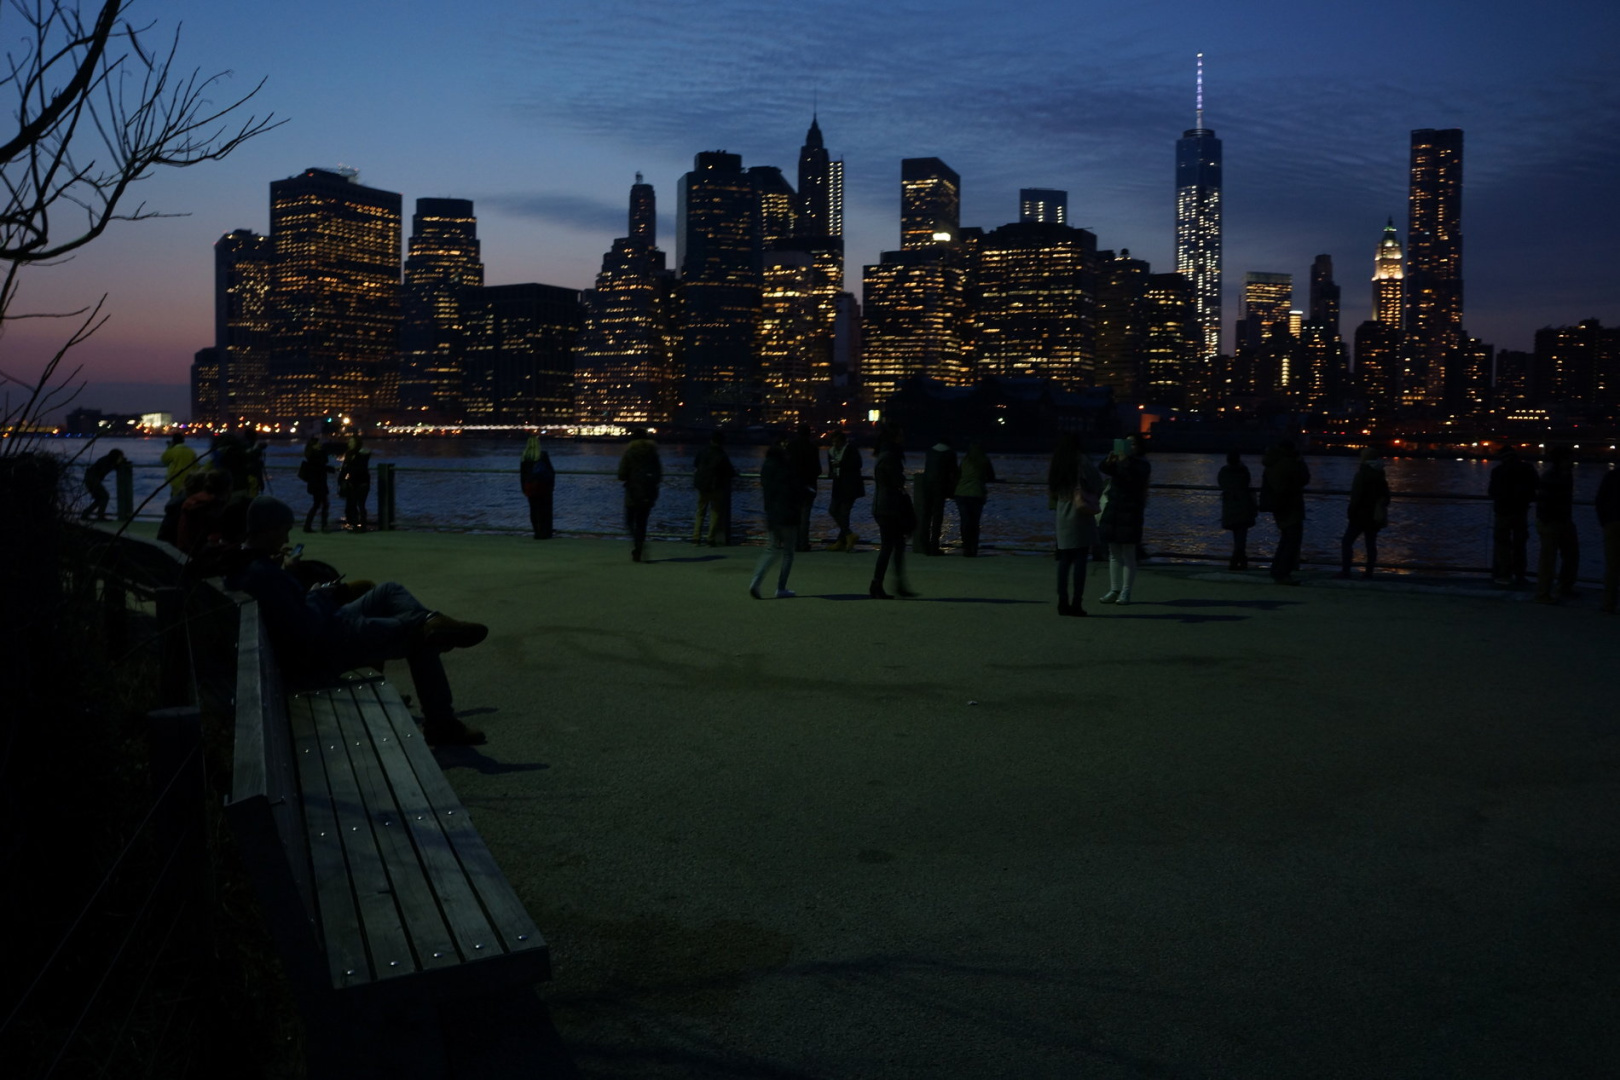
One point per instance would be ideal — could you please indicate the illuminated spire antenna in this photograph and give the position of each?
(1200, 99)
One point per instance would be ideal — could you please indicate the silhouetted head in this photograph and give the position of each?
(177, 438)
(1234, 458)
(716, 438)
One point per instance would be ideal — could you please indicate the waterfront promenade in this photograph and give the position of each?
(1231, 830)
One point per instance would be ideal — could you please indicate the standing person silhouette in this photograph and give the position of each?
(1285, 479)
(640, 471)
(848, 486)
(538, 480)
(1368, 511)
(893, 511)
(313, 471)
(712, 477)
(784, 492)
(1238, 508)
(1555, 527)
(1512, 489)
(354, 481)
(1069, 475)
(1124, 512)
(973, 478)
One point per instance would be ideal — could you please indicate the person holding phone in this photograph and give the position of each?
(1120, 523)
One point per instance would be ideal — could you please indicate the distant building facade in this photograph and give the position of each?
(336, 299)
(624, 368)
(443, 271)
(1198, 222)
(1433, 314)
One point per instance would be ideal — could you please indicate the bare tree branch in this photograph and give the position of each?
(96, 109)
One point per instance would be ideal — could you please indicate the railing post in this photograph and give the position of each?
(124, 485)
(385, 495)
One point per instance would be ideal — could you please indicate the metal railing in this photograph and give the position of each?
(1429, 532)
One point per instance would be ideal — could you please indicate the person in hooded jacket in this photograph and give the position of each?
(783, 487)
(1368, 511)
(1075, 529)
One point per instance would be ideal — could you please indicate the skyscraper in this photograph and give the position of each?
(821, 187)
(1034, 295)
(719, 245)
(1043, 204)
(336, 300)
(519, 358)
(1434, 282)
(1388, 277)
(930, 203)
(1267, 299)
(1198, 221)
(623, 370)
(244, 271)
(441, 268)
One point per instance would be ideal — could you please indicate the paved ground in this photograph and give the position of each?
(1232, 830)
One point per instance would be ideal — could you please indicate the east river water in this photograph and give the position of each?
(1437, 519)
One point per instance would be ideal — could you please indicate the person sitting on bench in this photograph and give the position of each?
(322, 631)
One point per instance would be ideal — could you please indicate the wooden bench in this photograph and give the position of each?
(383, 899)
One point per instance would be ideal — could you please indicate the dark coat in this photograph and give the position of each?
(1285, 480)
(640, 471)
(847, 482)
(1513, 486)
(889, 498)
(1555, 495)
(782, 488)
(1239, 510)
(1369, 498)
(1123, 514)
(712, 470)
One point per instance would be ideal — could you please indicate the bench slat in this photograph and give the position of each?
(417, 911)
(411, 771)
(346, 960)
(380, 924)
(515, 931)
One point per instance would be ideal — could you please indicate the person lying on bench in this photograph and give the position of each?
(322, 631)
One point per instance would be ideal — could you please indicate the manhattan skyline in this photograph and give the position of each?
(542, 121)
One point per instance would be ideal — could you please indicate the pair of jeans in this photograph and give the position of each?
(385, 623)
(1286, 559)
(716, 506)
(1348, 546)
(1510, 538)
(1560, 550)
(781, 547)
(891, 542)
(635, 521)
(970, 511)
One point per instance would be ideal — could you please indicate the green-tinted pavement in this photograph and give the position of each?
(1233, 829)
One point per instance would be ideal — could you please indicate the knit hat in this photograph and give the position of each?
(268, 513)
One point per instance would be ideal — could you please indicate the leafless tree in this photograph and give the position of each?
(96, 104)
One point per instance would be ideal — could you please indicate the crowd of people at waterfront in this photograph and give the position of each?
(221, 516)
(1100, 508)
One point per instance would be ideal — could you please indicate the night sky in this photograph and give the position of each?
(542, 113)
